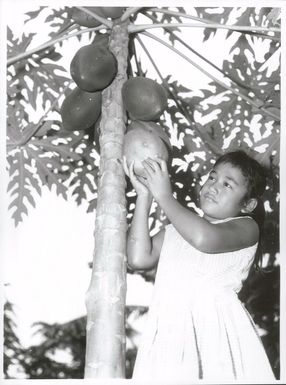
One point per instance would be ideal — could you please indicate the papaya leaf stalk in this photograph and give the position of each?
(142, 27)
(204, 20)
(49, 43)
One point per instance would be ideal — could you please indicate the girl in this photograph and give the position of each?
(197, 328)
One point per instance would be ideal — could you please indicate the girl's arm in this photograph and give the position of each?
(205, 236)
(142, 251)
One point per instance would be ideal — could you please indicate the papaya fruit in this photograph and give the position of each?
(93, 67)
(101, 39)
(84, 19)
(80, 109)
(112, 12)
(143, 140)
(143, 98)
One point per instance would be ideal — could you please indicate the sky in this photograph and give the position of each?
(46, 256)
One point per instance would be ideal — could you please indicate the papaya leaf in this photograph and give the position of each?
(45, 81)
(274, 16)
(47, 171)
(61, 150)
(92, 205)
(22, 183)
(17, 46)
(33, 14)
(85, 185)
(57, 14)
(214, 14)
(243, 19)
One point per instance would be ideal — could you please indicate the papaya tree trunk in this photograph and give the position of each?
(105, 298)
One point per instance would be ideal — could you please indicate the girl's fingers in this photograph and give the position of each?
(153, 164)
(125, 167)
(163, 165)
(131, 169)
(149, 168)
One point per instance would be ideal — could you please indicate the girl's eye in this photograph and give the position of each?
(227, 185)
(211, 177)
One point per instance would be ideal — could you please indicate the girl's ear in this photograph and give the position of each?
(249, 206)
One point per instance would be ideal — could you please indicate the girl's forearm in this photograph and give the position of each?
(138, 238)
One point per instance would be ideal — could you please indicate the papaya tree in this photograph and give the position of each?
(77, 145)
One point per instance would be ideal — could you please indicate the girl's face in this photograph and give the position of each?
(223, 194)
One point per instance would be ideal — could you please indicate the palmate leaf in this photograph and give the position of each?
(59, 20)
(33, 14)
(44, 82)
(274, 16)
(35, 78)
(83, 184)
(48, 159)
(214, 14)
(16, 46)
(21, 185)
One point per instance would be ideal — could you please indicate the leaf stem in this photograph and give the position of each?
(139, 68)
(140, 27)
(200, 19)
(222, 84)
(24, 55)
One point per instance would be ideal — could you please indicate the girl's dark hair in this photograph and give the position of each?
(256, 179)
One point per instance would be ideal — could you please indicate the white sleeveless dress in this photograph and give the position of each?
(196, 327)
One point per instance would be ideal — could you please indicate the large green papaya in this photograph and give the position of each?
(144, 98)
(93, 67)
(143, 140)
(101, 39)
(84, 19)
(80, 109)
(112, 12)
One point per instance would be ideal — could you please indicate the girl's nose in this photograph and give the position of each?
(214, 187)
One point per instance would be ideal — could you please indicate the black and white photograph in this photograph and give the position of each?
(143, 181)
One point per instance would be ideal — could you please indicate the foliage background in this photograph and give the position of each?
(201, 124)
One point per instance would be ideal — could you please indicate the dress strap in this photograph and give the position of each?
(231, 218)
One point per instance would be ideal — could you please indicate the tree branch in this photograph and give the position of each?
(24, 55)
(137, 28)
(222, 84)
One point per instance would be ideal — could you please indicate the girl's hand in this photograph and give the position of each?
(138, 184)
(158, 180)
